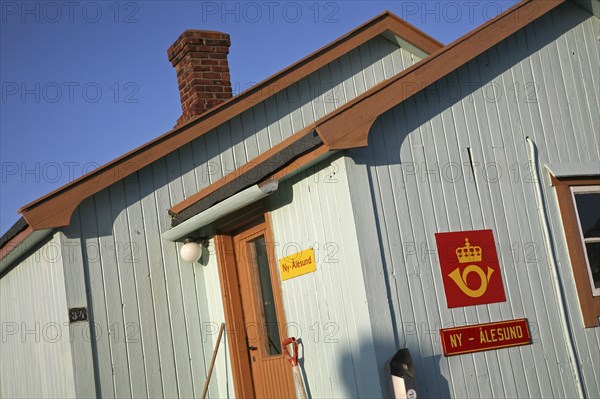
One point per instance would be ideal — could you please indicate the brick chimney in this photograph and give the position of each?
(200, 59)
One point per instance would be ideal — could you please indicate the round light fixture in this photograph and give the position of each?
(190, 251)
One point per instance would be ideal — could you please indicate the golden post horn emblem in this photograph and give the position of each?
(468, 254)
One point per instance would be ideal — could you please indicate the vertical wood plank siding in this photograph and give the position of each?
(35, 342)
(416, 178)
(326, 309)
(154, 317)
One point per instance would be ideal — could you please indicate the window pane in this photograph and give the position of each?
(588, 208)
(265, 297)
(593, 253)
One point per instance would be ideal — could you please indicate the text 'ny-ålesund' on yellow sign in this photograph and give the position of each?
(298, 264)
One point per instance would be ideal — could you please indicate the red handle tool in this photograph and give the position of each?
(292, 358)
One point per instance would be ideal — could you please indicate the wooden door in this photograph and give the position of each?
(262, 308)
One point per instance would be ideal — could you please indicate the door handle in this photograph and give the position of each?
(252, 348)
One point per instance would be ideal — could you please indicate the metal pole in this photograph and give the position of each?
(556, 277)
(212, 362)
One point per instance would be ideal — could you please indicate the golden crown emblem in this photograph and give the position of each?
(468, 253)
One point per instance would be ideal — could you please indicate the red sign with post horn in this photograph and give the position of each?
(470, 268)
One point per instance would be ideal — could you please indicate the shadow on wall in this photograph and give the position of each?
(433, 385)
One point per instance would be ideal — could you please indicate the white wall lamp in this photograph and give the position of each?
(191, 250)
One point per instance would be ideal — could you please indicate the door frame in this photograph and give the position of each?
(225, 229)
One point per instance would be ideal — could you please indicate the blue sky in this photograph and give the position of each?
(86, 81)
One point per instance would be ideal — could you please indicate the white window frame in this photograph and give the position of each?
(586, 190)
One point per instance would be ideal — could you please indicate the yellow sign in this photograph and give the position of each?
(298, 264)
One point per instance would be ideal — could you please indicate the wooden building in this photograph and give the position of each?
(318, 198)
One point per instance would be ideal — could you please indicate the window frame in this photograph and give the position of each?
(594, 189)
(588, 302)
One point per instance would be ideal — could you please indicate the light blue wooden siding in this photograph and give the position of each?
(416, 178)
(155, 318)
(326, 309)
(35, 350)
(147, 309)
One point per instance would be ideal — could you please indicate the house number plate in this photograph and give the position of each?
(77, 314)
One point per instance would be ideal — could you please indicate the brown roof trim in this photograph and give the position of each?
(14, 236)
(242, 170)
(55, 209)
(252, 173)
(14, 242)
(298, 163)
(349, 125)
(15, 229)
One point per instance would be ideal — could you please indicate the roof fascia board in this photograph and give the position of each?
(286, 167)
(19, 246)
(254, 172)
(56, 208)
(15, 229)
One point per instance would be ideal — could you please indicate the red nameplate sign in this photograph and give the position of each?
(483, 337)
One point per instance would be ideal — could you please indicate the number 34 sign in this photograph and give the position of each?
(470, 268)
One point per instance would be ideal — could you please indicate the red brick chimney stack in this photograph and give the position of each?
(200, 59)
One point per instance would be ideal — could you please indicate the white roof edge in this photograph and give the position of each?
(573, 169)
(411, 48)
(223, 208)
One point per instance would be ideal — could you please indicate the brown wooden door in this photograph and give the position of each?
(264, 320)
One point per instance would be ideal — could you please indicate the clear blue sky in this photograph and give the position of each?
(84, 82)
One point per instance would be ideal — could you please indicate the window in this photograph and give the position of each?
(261, 270)
(587, 205)
(579, 203)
